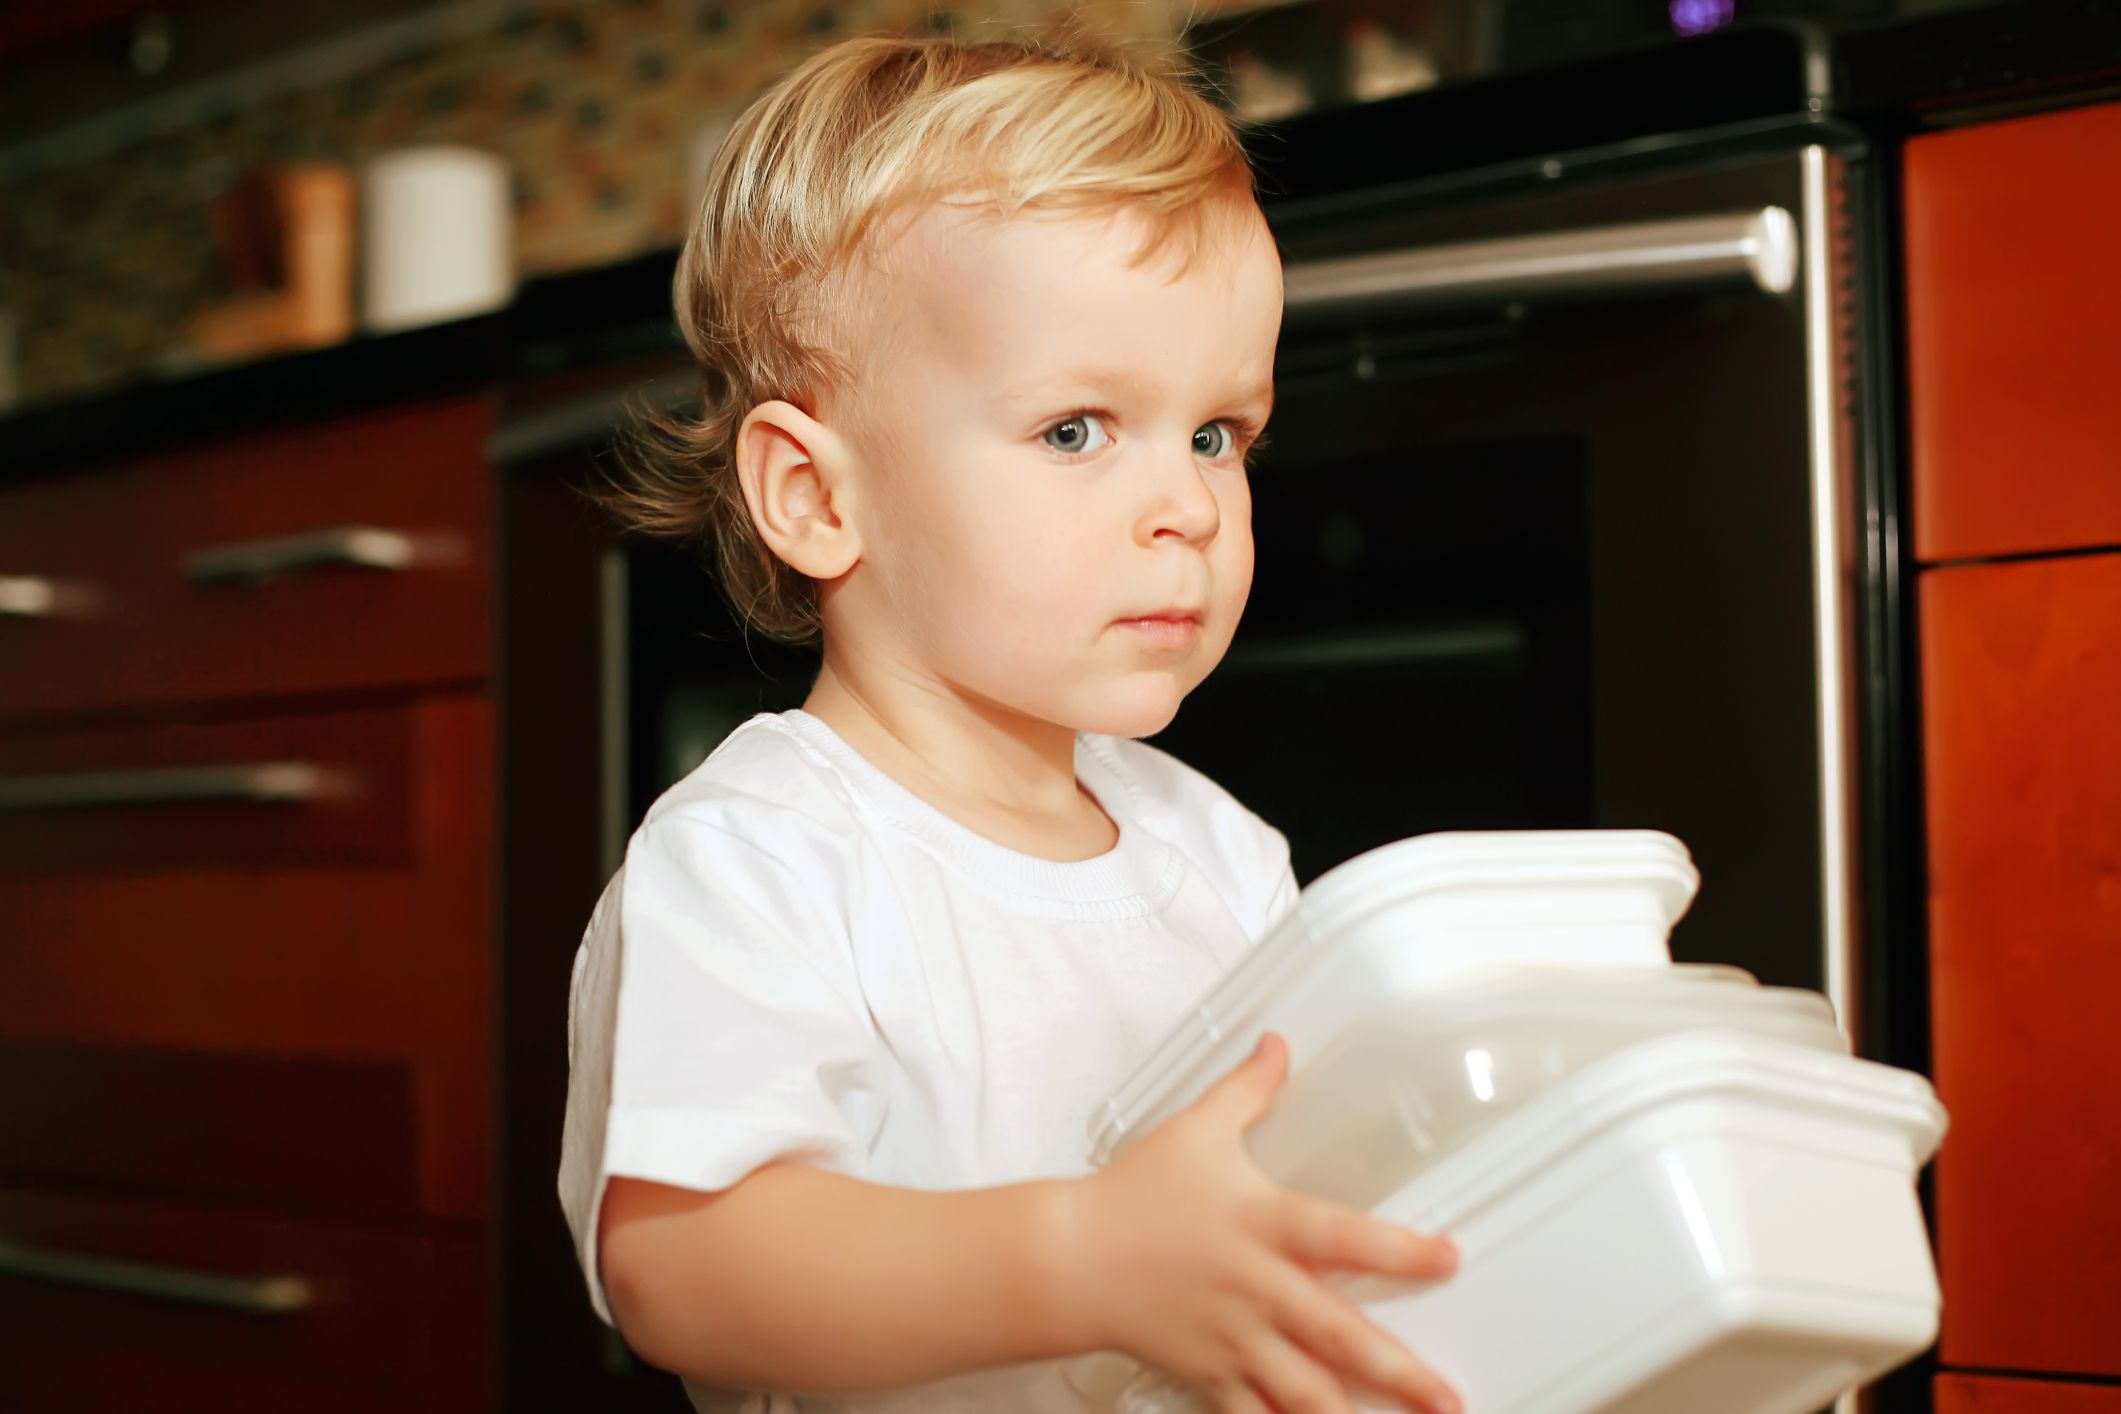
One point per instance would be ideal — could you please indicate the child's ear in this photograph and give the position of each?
(792, 470)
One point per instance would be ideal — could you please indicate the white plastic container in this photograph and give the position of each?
(1673, 1189)
(1707, 1221)
(1425, 1072)
(1414, 915)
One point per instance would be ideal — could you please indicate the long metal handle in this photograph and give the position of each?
(259, 1296)
(25, 596)
(1735, 248)
(268, 782)
(362, 546)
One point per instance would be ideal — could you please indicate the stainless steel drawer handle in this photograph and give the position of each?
(259, 1296)
(32, 596)
(359, 546)
(25, 596)
(267, 783)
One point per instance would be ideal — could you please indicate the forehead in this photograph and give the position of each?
(1012, 300)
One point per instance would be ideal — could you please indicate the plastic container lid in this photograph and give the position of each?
(1417, 914)
(1511, 881)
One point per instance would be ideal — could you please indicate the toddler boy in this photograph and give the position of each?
(987, 334)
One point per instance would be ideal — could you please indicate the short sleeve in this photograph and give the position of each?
(716, 1023)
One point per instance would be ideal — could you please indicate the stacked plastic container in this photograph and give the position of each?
(1673, 1190)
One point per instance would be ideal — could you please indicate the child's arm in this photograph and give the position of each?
(1181, 1253)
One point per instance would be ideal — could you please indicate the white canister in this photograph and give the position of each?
(435, 237)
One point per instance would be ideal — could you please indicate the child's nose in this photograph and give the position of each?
(1181, 505)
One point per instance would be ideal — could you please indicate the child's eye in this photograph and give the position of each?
(1215, 440)
(1078, 435)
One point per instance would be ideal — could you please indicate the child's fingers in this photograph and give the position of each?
(1418, 1388)
(1293, 1381)
(1333, 1237)
(1338, 1334)
(1365, 1356)
(1237, 1397)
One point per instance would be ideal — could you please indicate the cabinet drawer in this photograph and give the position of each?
(338, 960)
(1985, 1394)
(2013, 297)
(302, 1131)
(297, 789)
(352, 1061)
(2022, 691)
(107, 1305)
(343, 554)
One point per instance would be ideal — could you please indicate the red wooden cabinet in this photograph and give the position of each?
(2014, 356)
(2014, 333)
(2022, 699)
(246, 952)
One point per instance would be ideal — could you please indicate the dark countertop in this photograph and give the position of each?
(1893, 79)
(581, 319)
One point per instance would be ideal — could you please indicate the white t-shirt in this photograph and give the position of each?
(801, 959)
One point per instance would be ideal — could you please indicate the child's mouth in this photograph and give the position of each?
(1176, 629)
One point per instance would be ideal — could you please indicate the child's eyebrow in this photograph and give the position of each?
(1110, 382)
(1102, 381)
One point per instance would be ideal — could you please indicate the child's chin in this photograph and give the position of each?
(1136, 713)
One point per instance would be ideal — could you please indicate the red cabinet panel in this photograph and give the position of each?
(2014, 333)
(2022, 700)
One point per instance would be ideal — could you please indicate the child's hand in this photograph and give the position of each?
(1197, 1263)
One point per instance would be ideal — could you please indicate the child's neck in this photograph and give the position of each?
(998, 773)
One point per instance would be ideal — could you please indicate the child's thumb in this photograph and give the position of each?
(1242, 1098)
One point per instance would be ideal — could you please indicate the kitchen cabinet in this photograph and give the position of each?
(2022, 694)
(2013, 301)
(2013, 297)
(247, 867)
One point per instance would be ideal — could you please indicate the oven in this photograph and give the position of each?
(1553, 533)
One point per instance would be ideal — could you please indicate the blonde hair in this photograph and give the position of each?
(865, 130)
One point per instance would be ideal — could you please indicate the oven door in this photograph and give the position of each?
(1546, 534)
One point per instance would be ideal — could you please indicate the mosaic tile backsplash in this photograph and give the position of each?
(597, 106)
